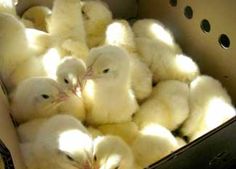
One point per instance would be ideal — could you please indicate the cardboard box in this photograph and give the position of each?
(206, 31)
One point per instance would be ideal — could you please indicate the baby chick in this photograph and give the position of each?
(210, 107)
(70, 73)
(8, 6)
(153, 143)
(111, 152)
(168, 105)
(67, 29)
(127, 131)
(36, 97)
(119, 33)
(38, 15)
(108, 95)
(62, 142)
(155, 30)
(157, 48)
(14, 46)
(96, 16)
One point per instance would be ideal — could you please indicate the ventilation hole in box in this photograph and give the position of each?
(226, 77)
(188, 12)
(173, 3)
(205, 26)
(224, 41)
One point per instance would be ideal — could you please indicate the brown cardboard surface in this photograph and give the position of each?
(8, 133)
(202, 47)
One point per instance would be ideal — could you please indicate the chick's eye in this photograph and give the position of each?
(45, 96)
(69, 157)
(106, 70)
(117, 167)
(66, 81)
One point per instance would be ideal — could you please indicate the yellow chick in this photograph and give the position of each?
(67, 28)
(96, 16)
(38, 15)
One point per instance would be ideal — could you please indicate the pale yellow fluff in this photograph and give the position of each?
(210, 107)
(8, 6)
(67, 28)
(119, 33)
(70, 73)
(168, 105)
(112, 152)
(181, 142)
(94, 132)
(155, 30)
(164, 62)
(74, 106)
(14, 48)
(127, 131)
(38, 15)
(62, 142)
(96, 16)
(157, 48)
(39, 41)
(36, 97)
(108, 96)
(27, 23)
(27, 131)
(153, 143)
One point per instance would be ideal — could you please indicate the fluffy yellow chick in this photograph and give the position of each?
(67, 28)
(119, 33)
(96, 16)
(157, 48)
(108, 95)
(210, 107)
(8, 6)
(111, 152)
(36, 97)
(155, 30)
(127, 131)
(14, 46)
(153, 143)
(61, 142)
(38, 15)
(168, 105)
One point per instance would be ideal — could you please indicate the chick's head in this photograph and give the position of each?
(66, 141)
(109, 64)
(70, 73)
(36, 97)
(111, 152)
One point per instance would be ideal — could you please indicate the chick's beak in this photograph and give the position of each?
(62, 97)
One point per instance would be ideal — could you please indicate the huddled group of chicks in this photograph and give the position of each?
(92, 92)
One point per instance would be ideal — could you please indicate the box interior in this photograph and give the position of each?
(197, 25)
